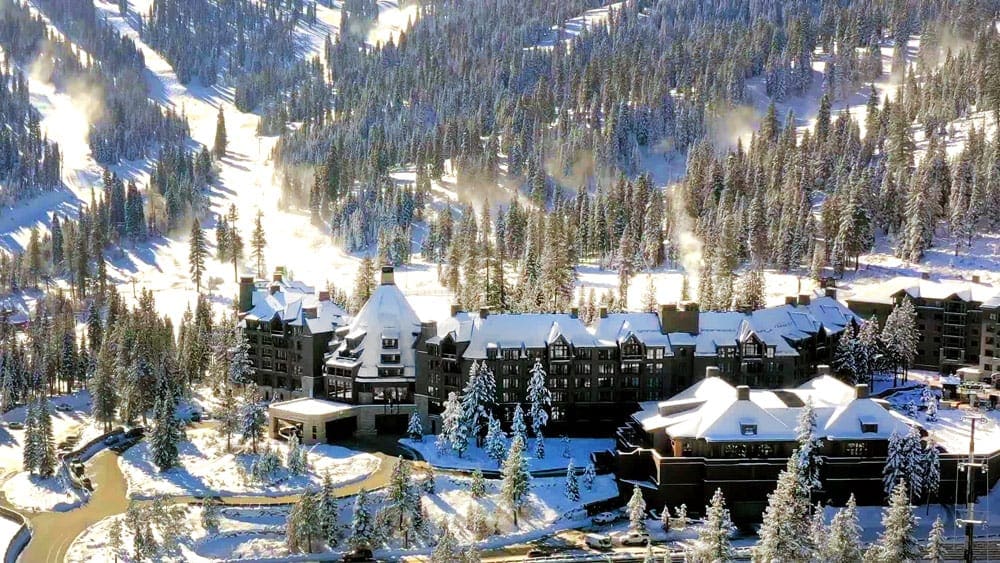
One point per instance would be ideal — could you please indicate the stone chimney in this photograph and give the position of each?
(742, 393)
(428, 329)
(823, 369)
(388, 277)
(455, 309)
(976, 278)
(804, 299)
(324, 295)
(602, 312)
(277, 276)
(246, 293)
(712, 371)
(830, 292)
(275, 287)
(309, 312)
(861, 391)
(484, 312)
(789, 300)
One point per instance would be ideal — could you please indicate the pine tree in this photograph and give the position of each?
(843, 537)
(897, 543)
(935, 543)
(254, 419)
(329, 513)
(234, 244)
(164, 443)
(229, 416)
(103, 388)
(219, 146)
(713, 536)
(451, 419)
(819, 534)
(364, 284)
(31, 452)
(636, 509)
(517, 427)
(197, 253)
(496, 441)
(46, 453)
(931, 469)
(904, 461)
(478, 487)
(295, 456)
(809, 461)
(430, 481)
(516, 479)
(900, 336)
(784, 534)
(258, 243)
(362, 527)
(539, 397)
(403, 500)
(303, 528)
(572, 483)
(589, 475)
(447, 549)
(210, 514)
(414, 428)
(539, 445)
(115, 546)
(241, 370)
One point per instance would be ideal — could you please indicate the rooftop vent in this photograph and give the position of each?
(324, 295)
(603, 312)
(484, 312)
(861, 391)
(804, 299)
(388, 277)
(455, 309)
(712, 371)
(742, 393)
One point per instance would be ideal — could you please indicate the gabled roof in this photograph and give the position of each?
(618, 327)
(288, 303)
(885, 292)
(524, 330)
(386, 314)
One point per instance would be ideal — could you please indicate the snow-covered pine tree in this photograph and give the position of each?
(713, 542)
(228, 416)
(900, 336)
(478, 487)
(477, 400)
(572, 483)
(517, 426)
(169, 434)
(252, 427)
(496, 441)
(329, 513)
(589, 475)
(415, 430)
(46, 443)
(115, 546)
(935, 543)
(931, 404)
(809, 461)
(818, 531)
(241, 370)
(843, 537)
(447, 549)
(219, 146)
(31, 452)
(636, 509)
(897, 542)
(294, 459)
(430, 481)
(303, 529)
(210, 514)
(784, 534)
(362, 526)
(402, 500)
(896, 462)
(931, 470)
(567, 451)
(258, 242)
(539, 397)
(681, 513)
(197, 254)
(539, 444)
(665, 519)
(451, 419)
(516, 478)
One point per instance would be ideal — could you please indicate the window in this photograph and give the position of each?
(558, 382)
(631, 382)
(631, 349)
(390, 343)
(582, 383)
(559, 351)
(491, 353)
(314, 432)
(604, 382)
(559, 369)
(734, 450)
(511, 353)
(510, 382)
(748, 429)
(603, 354)
(583, 353)
(558, 413)
(390, 358)
(559, 396)
(764, 450)
(654, 383)
(509, 369)
(583, 369)
(630, 367)
(869, 427)
(856, 449)
(654, 353)
(605, 369)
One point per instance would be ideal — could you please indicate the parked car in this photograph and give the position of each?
(359, 555)
(196, 416)
(634, 537)
(15, 425)
(63, 407)
(597, 541)
(604, 518)
(538, 552)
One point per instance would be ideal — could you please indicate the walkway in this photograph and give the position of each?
(52, 533)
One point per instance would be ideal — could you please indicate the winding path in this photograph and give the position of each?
(52, 533)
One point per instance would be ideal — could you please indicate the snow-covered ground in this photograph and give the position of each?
(574, 26)
(952, 428)
(579, 451)
(206, 468)
(8, 529)
(75, 422)
(31, 492)
(251, 532)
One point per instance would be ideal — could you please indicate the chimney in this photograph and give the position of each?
(309, 312)
(790, 300)
(246, 293)
(830, 292)
(428, 329)
(712, 371)
(388, 278)
(976, 278)
(574, 312)
(603, 312)
(324, 295)
(742, 393)
(274, 288)
(277, 277)
(680, 319)
(925, 275)
(484, 312)
(455, 310)
(804, 299)
(823, 369)
(861, 391)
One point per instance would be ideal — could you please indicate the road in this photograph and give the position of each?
(52, 533)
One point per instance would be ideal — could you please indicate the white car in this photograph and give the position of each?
(634, 537)
(603, 518)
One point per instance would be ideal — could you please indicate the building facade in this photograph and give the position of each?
(597, 375)
(956, 319)
(717, 436)
(288, 326)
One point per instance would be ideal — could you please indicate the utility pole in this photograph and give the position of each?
(970, 521)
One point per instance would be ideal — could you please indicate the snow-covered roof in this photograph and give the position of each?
(777, 327)
(294, 303)
(712, 410)
(306, 406)
(916, 287)
(513, 331)
(386, 315)
(618, 327)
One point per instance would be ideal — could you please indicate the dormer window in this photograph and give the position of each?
(390, 343)
(559, 351)
(748, 428)
(491, 353)
(869, 427)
